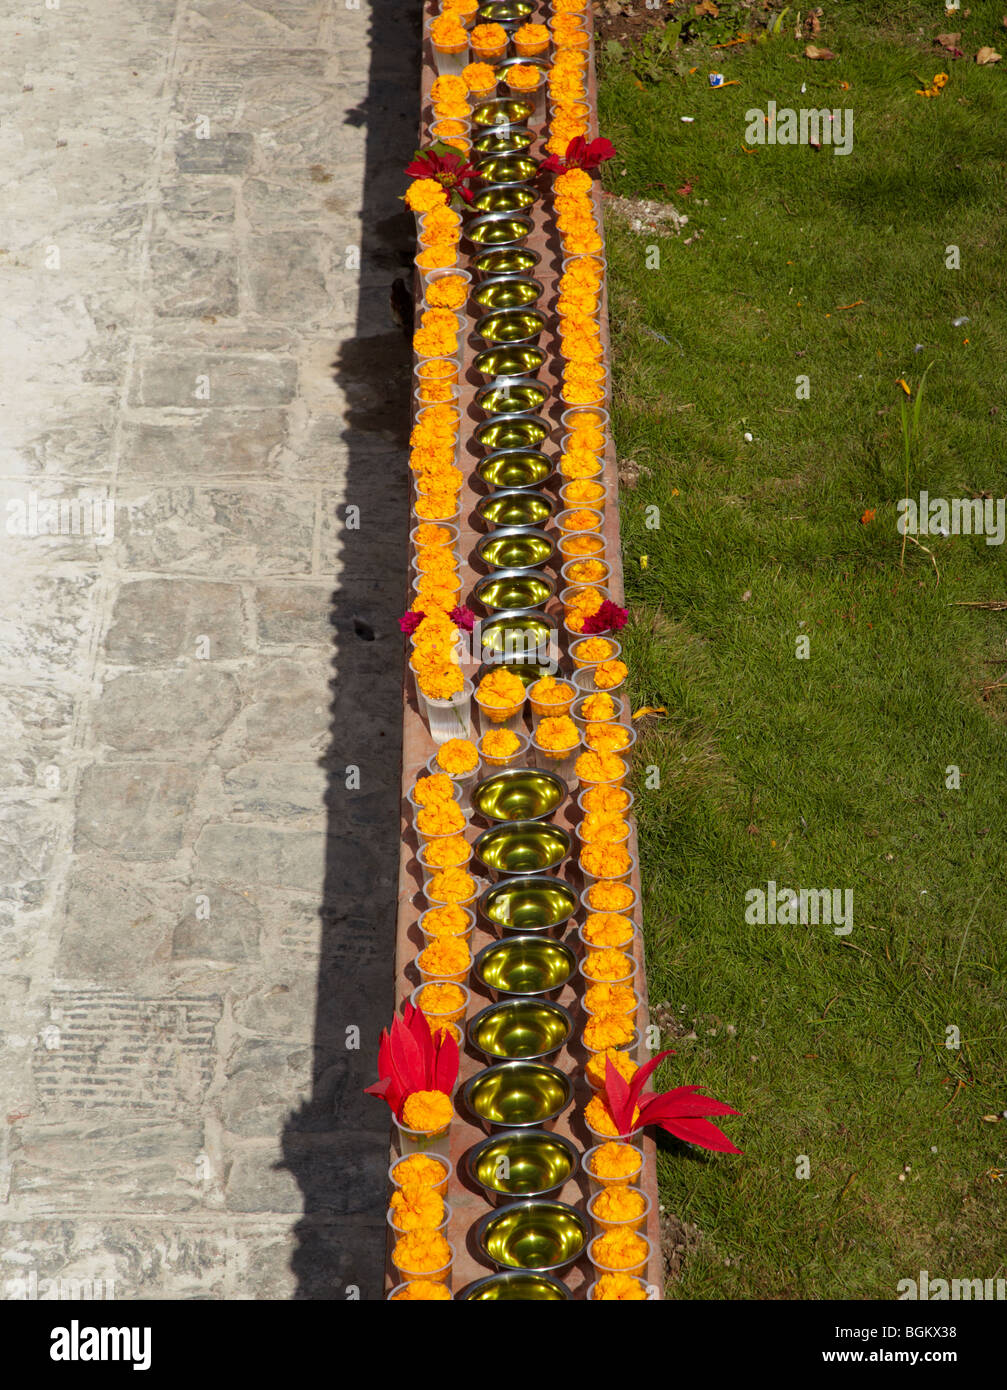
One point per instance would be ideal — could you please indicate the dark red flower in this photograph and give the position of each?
(609, 618)
(463, 617)
(409, 622)
(678, 1111)
(447, 166)
(580, 155)
(410, 1060)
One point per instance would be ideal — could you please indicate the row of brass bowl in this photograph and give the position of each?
(505, 139)
(511, 14)
(522, 848)
(525, 966)
(521, 1030)
(539, 1235)
(510, 507)
(518, 1095)
(512, 260)
(519, 794)
(514, 469)
(502, 111)
(508, 291)
(515, 548)
(521, 590)
(506, 169)
(503, 327)
(512, 432)
(513, 636)
(507, 396)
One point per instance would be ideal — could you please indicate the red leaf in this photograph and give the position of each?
(446, 1063)
(701, 1133)
(618, 1098)
(407, 1058)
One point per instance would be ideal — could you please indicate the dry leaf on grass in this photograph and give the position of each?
(706, 7)
(948, 41)
(987, 55)
(819, 53)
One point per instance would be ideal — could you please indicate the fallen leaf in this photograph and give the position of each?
(948, 41)
(746, 595)
(818, 53)
(869, 514)
(685, 190)
(706, 7)
(987, 55)
(649, 709)
(991, 1119)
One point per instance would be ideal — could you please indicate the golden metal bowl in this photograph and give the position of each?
(519, 793)
(513, 638)
(522, 848)
(508, 292)
(515, 1287)
(528, 672)
(511, 396)
(504, 140)
(518, 1095)
(523, 905)
(502, 169)
(525, 967)
(539, 1235)
(498, 229)
(521, 1165)
(502, 111)
(514, 507)
(526, 1029)
(514, 468)
(515, 548)
(510, 13)
(512, 432)
(509, 362)
(507, 197)
(510, 325)
(517, 589)
(516, 260)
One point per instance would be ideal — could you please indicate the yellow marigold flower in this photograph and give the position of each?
(606, 738)
(523, 76)
(619, 1204)
(437, 506)
(603, 825)
(596, 1113)
(447, 87)
(530, 34)
(436, 558)
(610, 999)
(594, 649)
(459, 6)
(622, 1062)
(445, 957)
(438, 257)
(557, 734)
(479, 77)
(447, 292)
(502, 689)
(619, 1250)
(427, 1110)
(587, 600)
(609, 897)
(499, 743)
(451, 886)
(606, 860)
(586, 543)
(427, 535)
(588, 572)
(421, 1252)
(599, 708)
(458, 756)
(424, 194)
(422, 1291)
(420, 1170)
(608, 965)
(609, 674)
(579, 464)
(441, 999)
(449, 920)
(600, 767)
(547, 690)
(608, 1030)
(583, 519)
(436, 788)
(416, 1208)
(584, 491)
(447, 31)
(612, 1162)
(441, 818)
(608, 929)
(622, 1288)
(447, 853)
(440, 682)
(573, 181)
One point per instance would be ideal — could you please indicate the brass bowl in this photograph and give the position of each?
(514, 260)
(519, 589)
(504, 140)
(511, 396)
(498, 229)
(524, 1029)
(504, 197)
(528, 672)
(525, 967)
(514, 468)
(514, 507)
(519, 793)
(507, 292)
(510, 325)
(515, 548)
(522, 848)
(515, 638)
(539, 1235)
(518, 1095)
(515, 1286)
(510, 13)
(509, 363)
(503, 169)
(526, 905)
(509, 1166)
(512, 432)
(502, 111)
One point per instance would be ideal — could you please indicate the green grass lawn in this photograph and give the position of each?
(828, 771)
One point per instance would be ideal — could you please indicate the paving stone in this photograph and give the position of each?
(332, 1175)
(119, 922)
(134, 810)
(294, 615)
(144, 711)
(246, 855)
(52, 649)
(155, 621)
(192, 380)
(203, 445)
(325, 1260)
(276, 790)
(288, 703)
(197, 204)
(230, 152)
(219, 925)
(287, 277)
(193, 279)
(264, 1079)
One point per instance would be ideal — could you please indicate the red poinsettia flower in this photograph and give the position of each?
(463, 617)
(410, 1060)
(678, 1111)
(609, 618)
(580, 154)
(409, 622)
(447, 166)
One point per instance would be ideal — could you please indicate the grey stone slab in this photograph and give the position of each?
(224, 152)
(283, 22)
(134, 810)
(335, 1259)
(119, 922)
(204, 445)
(51, 648)
(287, 278)
(273, 204)
(287, 704)
(333, 1175)
(196, 380)
(156, 621)
(75, 439)
(196, 203)
(35, 711)
(218, 925)
(30, 835)
(277, 790)
(294, 615)
(215, 531)
(245, 856)
(148, 711)
(193, 279)
(264, 1079)
(280, 1009)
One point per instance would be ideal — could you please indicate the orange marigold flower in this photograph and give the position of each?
(584, 490)
(597, 1114)
(416, 1208)
(600, 767)
(437, 257)
(612, 1162)
(530, 34)
(584, 544)
(440, 682)
(458, 756)
(603, 825)
(606, 860)
(421, 1252)
(608, 1030)
(422, 1291)
(488, 36)
(612, 1288)
(441, 999)
(451, 886)
(441, 818)
(608, 929)
(594, 649)
(449, 920)
(619, 1250)
(447, 292)
(448, 86)
(588, 572)
(479, 77)
(599, 708)
(610, 999)
(608, 965)
(547, 690)
(609, 674)
(523, 77)
(420, 1170)
(622, 1062)
(447, 31)
(619, 1203)
(609, 896)
(424, 194)
(502, 689)
(437, 788)
(499, 743)
(606, 738)
(447, 853)
(582, 519)
(432, 535)
(445, 957)
(427, 1110)
(557, 734)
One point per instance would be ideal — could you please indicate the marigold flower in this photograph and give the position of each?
(606, 826)
(600, 767)
(479, 77)
(437, 257)
(619, 1250)
(597, 1114)
(447, 853)
(448, 86)
(606, 860)
(607, 896)
(588, 572)
(488, 37)
(609, 674)
(416, 1208)
(432, 535)
(451, 886)
(606, 738)
(618, 1204)
(599, 708)
(584, 544)
(612, 1162)
(441, 681)
(445, 957)
(502, 689)
(584, 490)
(557, 734)
(420, 1170)
(607, 966)
(608, 1030)
(530, 34)
(449, 920)
(523, 77)
(499, 743)
(547, 690)
(422, 1291)
(424, 194)
(441, 999)
(427, 1110)
(459, 6)
(447, 31)
(622, 1062)
(594, 649)
(421, 1252)
(581, 519)
(441, 818)
(458, 756)
(436, 788)
(447, 291)
(610, 999)
(608, 929)
(611, 1288)
(579, 463)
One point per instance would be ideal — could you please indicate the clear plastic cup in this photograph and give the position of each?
(441, 1227)
(631, 1223)
(597, 1184)
(515, 759)
(638, 1270)
(440, 1188)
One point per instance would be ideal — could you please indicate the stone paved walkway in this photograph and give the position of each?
(196, 886)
